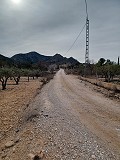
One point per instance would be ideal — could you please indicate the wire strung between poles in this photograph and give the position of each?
(75, 39)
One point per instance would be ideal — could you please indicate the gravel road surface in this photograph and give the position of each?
(77, 122)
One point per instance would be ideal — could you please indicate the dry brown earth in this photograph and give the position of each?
(14, 99)
(13, 102)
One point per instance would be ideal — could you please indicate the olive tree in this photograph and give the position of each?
(32, 73)
(26, 72)
(16, 74)
(5, 73)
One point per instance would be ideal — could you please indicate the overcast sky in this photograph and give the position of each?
(51, 26)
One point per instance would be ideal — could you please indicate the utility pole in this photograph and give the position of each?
(118, 61)
(87, 41)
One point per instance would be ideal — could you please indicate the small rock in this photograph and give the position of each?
(17, 130)
(13, 150)
(36, 158)
(117, 96)
(31, 156)
(42, 154)
(46, 115)
(93, 157)
(16, 140)
(80, 141)
(31, 138)
(4, 155)
(9, 144)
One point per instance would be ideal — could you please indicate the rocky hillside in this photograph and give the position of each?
(31, 57)
(34, 57)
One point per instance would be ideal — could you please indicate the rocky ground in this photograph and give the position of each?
(67, 120)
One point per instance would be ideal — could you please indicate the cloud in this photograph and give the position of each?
(51, 26)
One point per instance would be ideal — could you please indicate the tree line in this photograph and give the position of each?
(102, 69)
(14, 71)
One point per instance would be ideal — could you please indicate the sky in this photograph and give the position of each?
(51, 26)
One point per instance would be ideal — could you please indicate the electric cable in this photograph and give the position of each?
(80, 31)
(75, 39)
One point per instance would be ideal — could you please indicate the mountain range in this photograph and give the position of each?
(34, 57)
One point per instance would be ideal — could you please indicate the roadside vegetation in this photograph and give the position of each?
(106, 69)
(104, 73)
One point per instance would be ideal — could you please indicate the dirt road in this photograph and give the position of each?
(76, 122)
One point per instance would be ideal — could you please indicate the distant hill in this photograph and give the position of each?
(34, 57)
(31, 57)
(5, 61)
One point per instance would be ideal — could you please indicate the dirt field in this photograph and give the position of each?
(14, 99)
(13, 102)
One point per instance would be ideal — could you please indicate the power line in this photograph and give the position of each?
(76, 39)
(87, 25)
